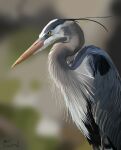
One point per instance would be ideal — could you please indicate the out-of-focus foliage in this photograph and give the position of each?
(25, 119)
(8, 88)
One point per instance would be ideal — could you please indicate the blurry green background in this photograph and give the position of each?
(30, 118)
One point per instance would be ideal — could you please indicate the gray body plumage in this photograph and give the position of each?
(91, 86)
(82, 84)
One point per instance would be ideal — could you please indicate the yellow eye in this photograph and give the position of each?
(49, 33)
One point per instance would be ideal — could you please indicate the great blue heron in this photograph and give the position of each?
(88, 80)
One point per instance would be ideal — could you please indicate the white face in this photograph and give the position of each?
(55, 34)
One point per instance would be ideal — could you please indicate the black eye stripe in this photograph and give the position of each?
(54, 24)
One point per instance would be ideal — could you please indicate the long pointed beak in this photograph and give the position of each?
(31, 50)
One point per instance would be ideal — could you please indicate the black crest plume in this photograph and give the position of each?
(92, 19)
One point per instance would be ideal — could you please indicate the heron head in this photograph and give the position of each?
(57, 30)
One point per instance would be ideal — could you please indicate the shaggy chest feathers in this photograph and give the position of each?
(76, 88)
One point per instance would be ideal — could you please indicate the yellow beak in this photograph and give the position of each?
(31, 50)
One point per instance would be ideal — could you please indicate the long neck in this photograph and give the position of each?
(57, 64)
